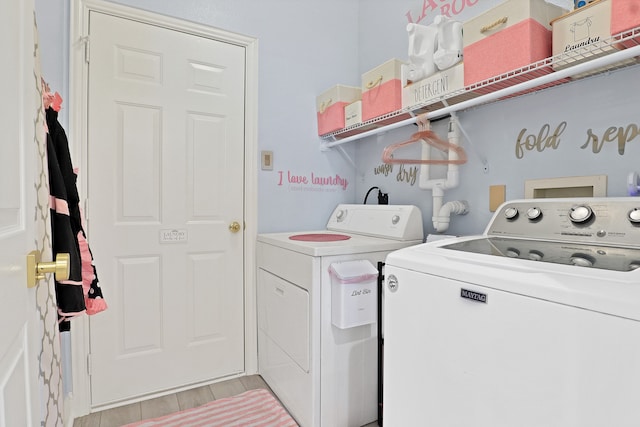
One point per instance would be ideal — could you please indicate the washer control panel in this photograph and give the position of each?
(610, 221)
(603, 257)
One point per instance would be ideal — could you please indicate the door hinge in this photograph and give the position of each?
(85, 40)
(89, 365)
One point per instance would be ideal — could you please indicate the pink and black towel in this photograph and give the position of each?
(81, 292)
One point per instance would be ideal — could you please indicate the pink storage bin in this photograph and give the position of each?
(330, 107)
(382, 90)
(510, 36)
(515, 47)
(625, 16)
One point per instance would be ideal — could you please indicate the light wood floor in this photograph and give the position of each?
(160, 406)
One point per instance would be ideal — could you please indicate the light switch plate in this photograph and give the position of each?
(267, 160)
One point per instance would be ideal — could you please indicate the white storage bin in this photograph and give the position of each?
(579, 36)
(353, 293)
(433, 88)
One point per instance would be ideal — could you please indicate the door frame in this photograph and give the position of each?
(79, 21)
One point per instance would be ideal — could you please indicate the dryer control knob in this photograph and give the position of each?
(395, 219)
(340, 215)
(634, 265)
(511, 213)
(534, 213)
(634, 215)
(581, 213)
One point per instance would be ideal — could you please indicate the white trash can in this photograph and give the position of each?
(353, 293)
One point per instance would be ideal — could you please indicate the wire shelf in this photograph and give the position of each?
(549, 72)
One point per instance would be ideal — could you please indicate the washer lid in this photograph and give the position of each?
(612, 290)
(568, 253)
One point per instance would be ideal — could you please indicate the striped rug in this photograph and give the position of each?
(253, 408)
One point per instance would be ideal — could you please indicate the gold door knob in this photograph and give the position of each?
(234, 227)
(36, 269)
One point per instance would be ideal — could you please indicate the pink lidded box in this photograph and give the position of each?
(510, 36)
(330, 107)
(382, 90)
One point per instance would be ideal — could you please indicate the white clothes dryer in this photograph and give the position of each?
(535, 323)
(325, 376)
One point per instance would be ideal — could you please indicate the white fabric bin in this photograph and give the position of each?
(353, 293)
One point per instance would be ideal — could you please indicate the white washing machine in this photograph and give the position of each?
(536, 323)
(324, 375)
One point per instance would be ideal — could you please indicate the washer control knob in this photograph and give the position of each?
(395, 219)
(340, 215)
(634, 215)
(581, 213)
(512, 253)
(536, 255)
(582, 260)
(511, 213)
(534, 213)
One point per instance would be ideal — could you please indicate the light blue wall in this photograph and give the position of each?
(52, 18)
(306, 46)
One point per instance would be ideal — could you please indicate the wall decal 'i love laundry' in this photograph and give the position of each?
(312, 181)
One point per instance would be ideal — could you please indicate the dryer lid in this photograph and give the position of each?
(319, 237)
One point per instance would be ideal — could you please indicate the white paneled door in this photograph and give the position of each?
(165, 187)
(19, 401)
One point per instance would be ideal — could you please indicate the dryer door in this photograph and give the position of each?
(283, 315)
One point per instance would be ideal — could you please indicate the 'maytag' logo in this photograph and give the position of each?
(474, 296)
